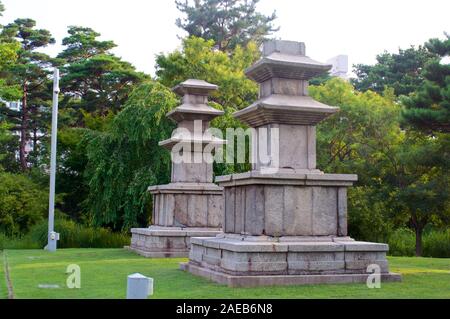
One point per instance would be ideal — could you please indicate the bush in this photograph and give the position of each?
(436, 243)
(72, 236)
(22, 204)
(17, 243)
(367, 215)
(402, 242)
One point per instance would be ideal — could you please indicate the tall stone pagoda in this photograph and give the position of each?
(285, 221)
(191, 205)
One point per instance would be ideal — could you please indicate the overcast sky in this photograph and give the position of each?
(144, 28)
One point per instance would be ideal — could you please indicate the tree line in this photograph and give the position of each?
(393, 128)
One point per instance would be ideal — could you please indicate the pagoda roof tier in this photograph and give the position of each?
(288, 66)
(171, 142)
(195, 87)
(285, 109)
(194, 112)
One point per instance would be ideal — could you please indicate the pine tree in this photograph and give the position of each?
(30, 72)
(428, 109)
(228, 22)
(400, 71)
(93, 79)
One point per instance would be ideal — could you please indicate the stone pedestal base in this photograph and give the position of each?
(249, 261)
(163, 242)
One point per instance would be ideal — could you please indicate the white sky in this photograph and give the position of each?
(144, 28)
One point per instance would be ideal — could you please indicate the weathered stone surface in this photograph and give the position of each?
(215, 211)
(292, 177)
(342, 211)
(180, 210)
(253, 262)
(298, 156)
(159, 242)
(193, 208)
(192, 172)
(285, 210)
(254, 210)
(281, 280)
(230, 216)
(239, 210)
(298, 208)
(273, 203)
(324, 211)
(247, 258)
(285, 221)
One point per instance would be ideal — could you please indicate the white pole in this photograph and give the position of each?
(52, 236)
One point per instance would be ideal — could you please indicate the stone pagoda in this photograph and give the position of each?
(285, 221)
(191, 205)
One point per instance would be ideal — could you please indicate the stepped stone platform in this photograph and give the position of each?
(250, 261)
(167, 242)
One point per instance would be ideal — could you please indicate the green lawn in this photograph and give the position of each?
(104, 271)
(3, 289)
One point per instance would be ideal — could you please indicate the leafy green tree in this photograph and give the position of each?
(8, 56)
(198, 59)
(94, 80)
(125, 159)
(403, 175)
(423, 188)
(8, 146)
(22, 204)
(227, 22)
(30, 72)
(360, 135)
(428, 109)
(359, 139)
(400, 71)
(420, 183)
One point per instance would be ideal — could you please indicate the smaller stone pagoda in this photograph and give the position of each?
(191, 205)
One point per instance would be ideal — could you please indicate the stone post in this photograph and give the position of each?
(191, 205)
(285, 221)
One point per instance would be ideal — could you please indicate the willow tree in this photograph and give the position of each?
(125, 159)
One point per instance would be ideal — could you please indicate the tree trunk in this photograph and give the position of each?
(23, 130)
(419, 231)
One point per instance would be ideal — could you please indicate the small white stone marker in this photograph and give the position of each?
(139, 286)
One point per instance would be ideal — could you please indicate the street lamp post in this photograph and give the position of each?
(53, 237)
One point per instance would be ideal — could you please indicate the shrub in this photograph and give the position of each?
(436, 243)
(402, 242)
(22, 204)
(17, 243)
(72, 235)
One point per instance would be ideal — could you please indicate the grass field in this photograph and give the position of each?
(104, 272)
(3, 289)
